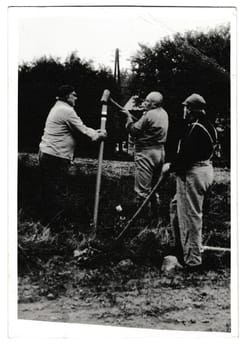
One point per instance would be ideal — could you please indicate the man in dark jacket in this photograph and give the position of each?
(194, 174)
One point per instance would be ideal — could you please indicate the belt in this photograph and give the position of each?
(145, 148)
(202, 163)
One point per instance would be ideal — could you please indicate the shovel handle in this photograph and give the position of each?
(122, 233)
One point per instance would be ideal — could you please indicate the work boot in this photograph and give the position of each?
(170, 265)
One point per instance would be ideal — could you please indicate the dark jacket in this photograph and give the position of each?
(196, 143)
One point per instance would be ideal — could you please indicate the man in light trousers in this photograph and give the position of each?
(194, 174)
(149, 133)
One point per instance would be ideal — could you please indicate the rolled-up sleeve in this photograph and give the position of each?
(136, 128)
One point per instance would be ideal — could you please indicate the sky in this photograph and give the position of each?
(95, 33)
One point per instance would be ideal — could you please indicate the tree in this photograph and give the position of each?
(38, 84)
(179, 66)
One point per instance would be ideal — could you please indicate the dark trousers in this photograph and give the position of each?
(54, 189)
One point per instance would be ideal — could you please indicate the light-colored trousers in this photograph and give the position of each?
(186, 211)
(148, 166)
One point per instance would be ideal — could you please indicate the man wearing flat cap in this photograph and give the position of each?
(194, 174)
(57, 149)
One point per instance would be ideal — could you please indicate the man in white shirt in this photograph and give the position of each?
(57, 150)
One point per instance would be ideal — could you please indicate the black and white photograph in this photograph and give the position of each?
(124, 117)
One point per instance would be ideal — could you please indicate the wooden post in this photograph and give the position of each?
(99, 174)
(99, 171)
(216, 249)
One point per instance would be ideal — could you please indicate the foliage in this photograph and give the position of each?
(38, 83)
(186, 63)
(177, 66)
(72, 229)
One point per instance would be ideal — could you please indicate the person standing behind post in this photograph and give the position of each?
(194, 174)
(149, 133)
(56, 150)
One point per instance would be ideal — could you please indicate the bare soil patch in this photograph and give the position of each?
(141, 298)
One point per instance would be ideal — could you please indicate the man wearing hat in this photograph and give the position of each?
(57, 149)
(194, 174)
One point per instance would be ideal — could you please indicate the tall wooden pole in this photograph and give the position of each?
(118, 83)
(99, 171)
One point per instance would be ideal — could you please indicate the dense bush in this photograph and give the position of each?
(38, 84)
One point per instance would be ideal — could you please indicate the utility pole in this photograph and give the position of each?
(117, 71)
(118, 84)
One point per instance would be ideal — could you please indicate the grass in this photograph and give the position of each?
(73, 229)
